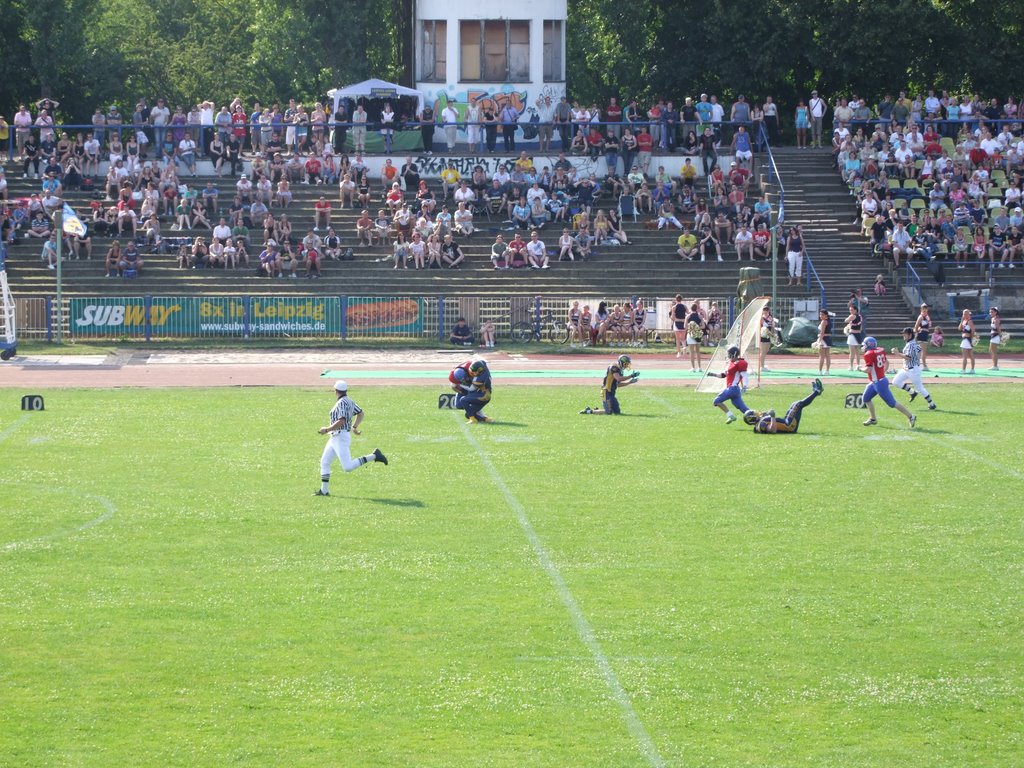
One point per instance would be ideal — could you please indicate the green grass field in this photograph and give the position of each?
(550, 590)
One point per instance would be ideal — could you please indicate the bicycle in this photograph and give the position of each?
(554, 331)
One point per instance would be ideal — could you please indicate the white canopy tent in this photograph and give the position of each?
(373, 89)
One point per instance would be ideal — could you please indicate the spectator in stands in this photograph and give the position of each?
(187, 152)
(364, 229)
(644, 145)
(463, 221)
(708, 242)
(741, 146)
(499, 253)
(795, 252)
(516, 252)
(321, 214)
(451, 254)
(537, 252)
(462, 334)
(900, 242)
(130, 259)
(687, 245)
(667, 215)
(744, 242)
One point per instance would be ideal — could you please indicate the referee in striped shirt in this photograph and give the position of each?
(345, 417)
(909, 378)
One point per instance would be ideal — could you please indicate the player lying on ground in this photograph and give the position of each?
(767, 423)
(614, 377)
(472, 384)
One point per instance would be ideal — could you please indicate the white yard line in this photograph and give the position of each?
(985, 461)
(583, 628)
(109, 511)
(10, 430)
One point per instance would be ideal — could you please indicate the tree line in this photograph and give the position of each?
(89, 53)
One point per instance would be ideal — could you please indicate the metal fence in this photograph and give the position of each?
(345, 318)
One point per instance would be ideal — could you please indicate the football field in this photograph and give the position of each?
(656, 589)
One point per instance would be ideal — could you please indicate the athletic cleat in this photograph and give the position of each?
(913, 395)
(913, 421)
(322, 493)
(588, 410)
(817, 386)
(729, 418)
(472, 420)
(870, 423)
(932, 407)
(482, 419)
(378, 456)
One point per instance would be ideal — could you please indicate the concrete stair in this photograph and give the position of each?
(648, 266)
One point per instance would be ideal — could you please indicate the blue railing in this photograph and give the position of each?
(774, 178)
(812, 279)
(913, 283)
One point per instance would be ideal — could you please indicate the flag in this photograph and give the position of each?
(72, 224)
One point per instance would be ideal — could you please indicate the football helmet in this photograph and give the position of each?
(477, 367)
(459, 374)
(750, 418)
(733, 352)
(870, 343)
(624, 361)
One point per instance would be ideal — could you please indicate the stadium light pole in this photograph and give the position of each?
(58, 225)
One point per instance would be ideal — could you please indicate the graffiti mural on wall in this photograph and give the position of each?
(431, 165)
(494, 98)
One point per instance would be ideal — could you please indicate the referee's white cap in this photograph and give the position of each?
(341, 386)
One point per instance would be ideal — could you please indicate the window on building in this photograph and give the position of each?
(495, 51)
(553, 51)
(433, 51)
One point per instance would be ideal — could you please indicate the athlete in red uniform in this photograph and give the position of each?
(876, 365)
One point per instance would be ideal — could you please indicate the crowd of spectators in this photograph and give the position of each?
(926, 195)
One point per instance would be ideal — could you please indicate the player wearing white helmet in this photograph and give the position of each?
(614, 377)
(345, 417)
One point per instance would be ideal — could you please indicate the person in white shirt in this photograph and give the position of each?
(744, 242)
(817, 107)
(474, 132)
(546, 114)
(537, 251)
(222, 232)
(159, 116)
(206, 120)
(463, 220)
(990, 145)
(244, 187)
(464, 194)
(187, 152)
(450, 118)
(359, 130)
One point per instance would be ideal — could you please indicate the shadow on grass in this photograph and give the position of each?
(384, 501)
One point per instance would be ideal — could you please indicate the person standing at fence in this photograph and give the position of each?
(509, 124)
(359, 129)
(345, 417)
(450, 118)
(817, 106)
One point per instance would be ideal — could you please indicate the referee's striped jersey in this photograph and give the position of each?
(911, 355)
(345, 409)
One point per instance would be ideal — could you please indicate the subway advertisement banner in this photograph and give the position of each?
(242, 316)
